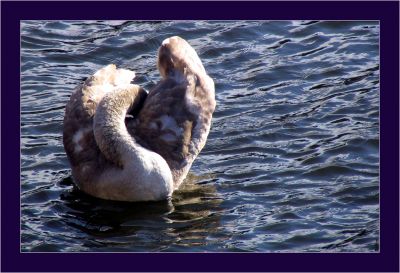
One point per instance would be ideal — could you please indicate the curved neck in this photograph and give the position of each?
(145, 175)
(109, 128)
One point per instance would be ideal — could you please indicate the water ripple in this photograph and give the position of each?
(291, 163)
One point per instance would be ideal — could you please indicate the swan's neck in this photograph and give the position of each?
(142, 171)
(110, 134)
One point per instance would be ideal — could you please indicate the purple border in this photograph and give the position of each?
(386, 260)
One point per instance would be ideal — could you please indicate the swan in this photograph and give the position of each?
(126, 144)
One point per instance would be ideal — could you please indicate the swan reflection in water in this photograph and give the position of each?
(187, 219)
(147, 157)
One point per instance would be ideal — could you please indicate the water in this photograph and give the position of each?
(291, 163)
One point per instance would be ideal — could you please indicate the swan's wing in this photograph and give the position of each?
(175, 121)
(85, 98)
(176, 117)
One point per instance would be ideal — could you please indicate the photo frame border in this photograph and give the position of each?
(386, 12)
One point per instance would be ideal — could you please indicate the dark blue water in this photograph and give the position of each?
(291, 163)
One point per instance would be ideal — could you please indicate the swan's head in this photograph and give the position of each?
(176, 55)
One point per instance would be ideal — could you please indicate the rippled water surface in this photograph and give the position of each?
(291, 163)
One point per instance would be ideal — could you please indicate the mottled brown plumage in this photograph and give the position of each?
(134, 161)
(185, 99)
